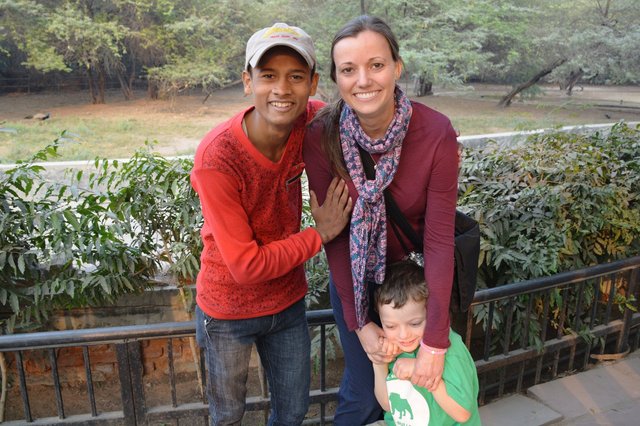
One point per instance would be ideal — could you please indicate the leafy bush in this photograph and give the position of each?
(62, 246)
(151, 199)
(556, 202)
(89, 238)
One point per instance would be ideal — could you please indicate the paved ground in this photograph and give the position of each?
(608, 394)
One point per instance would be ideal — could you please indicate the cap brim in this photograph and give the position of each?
(260, 52)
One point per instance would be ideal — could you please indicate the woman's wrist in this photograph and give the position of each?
(432, 350)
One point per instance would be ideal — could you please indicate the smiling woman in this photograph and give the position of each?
(415, 151)
(366, 75)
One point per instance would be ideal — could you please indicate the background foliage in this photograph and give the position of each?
(179, 44)
(555, 202)
(558, 201)
(89, 238)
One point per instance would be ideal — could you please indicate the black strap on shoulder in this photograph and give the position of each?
(395, 214)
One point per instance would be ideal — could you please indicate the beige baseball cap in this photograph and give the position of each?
(279, 34)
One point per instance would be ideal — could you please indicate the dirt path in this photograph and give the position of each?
(118, 128)
(595, 104)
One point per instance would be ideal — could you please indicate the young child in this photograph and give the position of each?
(251, 285)
(401, 302)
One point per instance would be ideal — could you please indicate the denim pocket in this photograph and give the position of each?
(204, 326)
(208, 323)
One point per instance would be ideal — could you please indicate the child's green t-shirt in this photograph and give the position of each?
(415, 406)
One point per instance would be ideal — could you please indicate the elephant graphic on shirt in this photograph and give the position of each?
(399, 405)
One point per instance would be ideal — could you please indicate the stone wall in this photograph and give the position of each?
(160, 304)
(163, 304)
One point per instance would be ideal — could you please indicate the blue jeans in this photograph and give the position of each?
(283, 344)
(357, 403)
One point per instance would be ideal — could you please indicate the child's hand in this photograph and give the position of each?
(391, 350)
(403, 368)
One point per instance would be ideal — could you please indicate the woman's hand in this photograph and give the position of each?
(333, 215)
(428, 370)
(373, 342)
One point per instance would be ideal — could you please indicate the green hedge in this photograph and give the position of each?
(553, 203)
(91, 237)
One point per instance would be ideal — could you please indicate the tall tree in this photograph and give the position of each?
(597, 39)
(605, 47)
(204, 46)
(142, 48)
(21, 23)
(67, 35)
(181, 44)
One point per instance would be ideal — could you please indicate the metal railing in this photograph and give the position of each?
(553, 325)
(539, 329)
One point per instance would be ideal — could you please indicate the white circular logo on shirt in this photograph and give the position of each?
(408, 407)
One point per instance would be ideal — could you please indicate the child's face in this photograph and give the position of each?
(404, 326)
(281, 85)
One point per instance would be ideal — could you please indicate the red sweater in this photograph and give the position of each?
(253, 255)
(425, 189)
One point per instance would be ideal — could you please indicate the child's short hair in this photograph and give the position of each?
(403, 281)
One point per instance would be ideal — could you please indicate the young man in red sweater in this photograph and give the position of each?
(251, 286)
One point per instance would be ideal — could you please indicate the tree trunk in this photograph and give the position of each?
(604, 10)
(362, 8)
(506, 101)
(92, 89)
(125, 86)
(573, 79)
(152, 89)
(132, 74)
(422, 86)
(101, 85)
(233, 83)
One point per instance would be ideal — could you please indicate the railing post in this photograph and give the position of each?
(623, 339)
(126, 388)
(136, 369)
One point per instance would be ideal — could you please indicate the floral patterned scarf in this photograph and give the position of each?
(368, 233)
